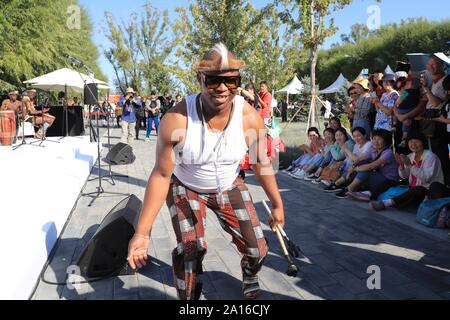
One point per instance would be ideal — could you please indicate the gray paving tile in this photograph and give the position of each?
(413, 262)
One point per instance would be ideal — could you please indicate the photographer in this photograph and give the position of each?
(129, 104)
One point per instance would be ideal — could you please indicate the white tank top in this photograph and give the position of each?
(198, 166)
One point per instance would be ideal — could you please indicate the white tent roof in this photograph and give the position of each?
(294, 87)
(336, 86)
(389, 70)
(64, 78)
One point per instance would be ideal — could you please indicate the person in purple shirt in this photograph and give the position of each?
(378, 172)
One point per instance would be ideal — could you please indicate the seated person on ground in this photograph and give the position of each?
(315, 144)
(311, 165)
(379, 173)
(421, 168)
(331, 172)
(362, 146)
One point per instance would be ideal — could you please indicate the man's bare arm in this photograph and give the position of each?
(263, 170)
(159, 181)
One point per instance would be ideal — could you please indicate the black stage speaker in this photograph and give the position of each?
(105, 255)
(91, 94)
(121, 153)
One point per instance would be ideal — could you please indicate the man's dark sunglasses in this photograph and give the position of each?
(213, 82)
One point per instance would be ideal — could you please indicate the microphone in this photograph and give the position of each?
(74, 60)
(77, 62)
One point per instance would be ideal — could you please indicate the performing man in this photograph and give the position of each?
(34, 116)
(12, 103)
(200, 144)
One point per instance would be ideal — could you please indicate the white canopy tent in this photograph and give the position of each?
(294, 87)
(64, 79)
(336, 86)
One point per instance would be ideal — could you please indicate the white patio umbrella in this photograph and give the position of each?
(294, 87)
(64, 79)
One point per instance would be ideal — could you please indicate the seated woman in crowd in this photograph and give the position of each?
(315, 144)
(362, 146)
(379, 173)
(331, 172)
(324, 156)
(385, 113)
(421, 167)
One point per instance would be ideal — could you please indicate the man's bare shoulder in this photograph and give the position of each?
(252, 119)
(177, 115)
(173, 123)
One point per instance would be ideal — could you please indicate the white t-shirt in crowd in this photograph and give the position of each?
(437, 89)
(359, 151)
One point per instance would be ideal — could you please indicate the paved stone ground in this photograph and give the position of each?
(340, 240)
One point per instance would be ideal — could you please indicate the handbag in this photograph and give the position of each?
(332, 171)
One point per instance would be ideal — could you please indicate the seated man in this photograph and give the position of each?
(11, 103)
(421, 167)
(34, 116)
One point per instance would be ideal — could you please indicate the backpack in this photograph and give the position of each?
(429, 211)
(393, 192)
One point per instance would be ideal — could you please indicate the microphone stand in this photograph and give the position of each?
(24, 142)
(110, 174)
(43, 136)
(100, 191)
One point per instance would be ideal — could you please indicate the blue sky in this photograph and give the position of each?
(390, 10)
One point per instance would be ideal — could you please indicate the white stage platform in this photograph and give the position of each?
(34, 209)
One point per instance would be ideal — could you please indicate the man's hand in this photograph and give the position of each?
(277, 218)
(137, 251)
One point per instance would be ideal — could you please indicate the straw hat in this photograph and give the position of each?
(130, 90)
(13, 92)
(219, 58)
(363, 82)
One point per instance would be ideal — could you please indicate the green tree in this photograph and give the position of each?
(206, 22)
(308, 16)
(33, 40)
(140, 50)
(358, 33)
(386, 46)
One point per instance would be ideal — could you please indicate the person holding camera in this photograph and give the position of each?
(129, 104)
(435, 96)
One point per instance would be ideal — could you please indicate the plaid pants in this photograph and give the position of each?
(237, 216)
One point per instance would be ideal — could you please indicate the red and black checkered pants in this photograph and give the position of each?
(237, 216)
